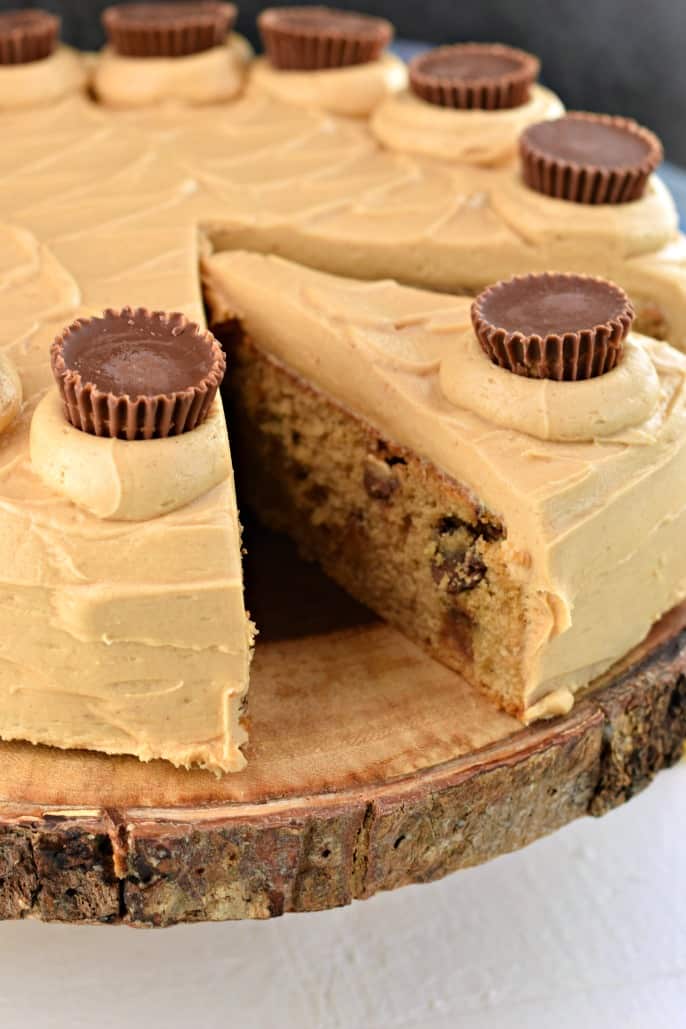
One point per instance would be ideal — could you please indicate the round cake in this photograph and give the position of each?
(451, 316)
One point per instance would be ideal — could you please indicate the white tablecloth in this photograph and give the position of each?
(583, 930)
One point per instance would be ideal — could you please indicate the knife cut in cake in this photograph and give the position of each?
(490, 479)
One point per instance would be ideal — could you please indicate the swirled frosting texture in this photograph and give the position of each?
(591, 520)
(122, 480)
(413, 126)
(11, 392)
(353, 91)
(86, 660)
(204, 78)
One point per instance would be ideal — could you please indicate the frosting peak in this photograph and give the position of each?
(411, 125)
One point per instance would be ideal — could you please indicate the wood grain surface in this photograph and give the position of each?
(370, 766)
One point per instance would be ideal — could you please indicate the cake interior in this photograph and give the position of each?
(396, 532)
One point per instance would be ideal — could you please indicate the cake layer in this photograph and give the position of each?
(583, 522)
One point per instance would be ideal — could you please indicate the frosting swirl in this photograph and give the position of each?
(559, 411)
(41, 82)
(203, 78)
(353, 91)
(122, 480)
(411, 125)
(625, 230)
(11, 393)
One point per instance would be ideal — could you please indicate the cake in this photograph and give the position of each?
(113, 198)
(494, 518)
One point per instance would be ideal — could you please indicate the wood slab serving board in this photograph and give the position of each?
(370, 766)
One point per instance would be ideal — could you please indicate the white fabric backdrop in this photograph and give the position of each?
(584, 929)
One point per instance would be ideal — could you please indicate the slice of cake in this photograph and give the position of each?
(122, 623)
(450, 476)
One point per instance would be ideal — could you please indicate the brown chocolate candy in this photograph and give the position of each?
(136, 374)
(589, 158)
(468, 76)
(27, 36)
(167, 29)
(312, 38)
(553, 326)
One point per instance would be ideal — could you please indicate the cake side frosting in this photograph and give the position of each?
(578, 515)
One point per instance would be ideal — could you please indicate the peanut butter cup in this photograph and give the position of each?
(27, 36)
(468, 76)
(314, 38)
(167, 29)
(589, 158)
(553, 326)
(136, 374)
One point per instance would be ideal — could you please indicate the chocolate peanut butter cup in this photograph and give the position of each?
(167, 29)
(314, 38)
(553, 326)
(27, 36)
(468, 76)
(589, 158)
(136, 374)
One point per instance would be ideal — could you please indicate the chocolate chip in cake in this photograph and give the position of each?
(379, 480)
(456, 564)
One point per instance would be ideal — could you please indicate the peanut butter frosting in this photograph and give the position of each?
(411, 125)
(103, 207)
(207, 77)
(353, 91)
(587, 520)
(42, 82)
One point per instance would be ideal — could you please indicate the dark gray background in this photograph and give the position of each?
(620, 56)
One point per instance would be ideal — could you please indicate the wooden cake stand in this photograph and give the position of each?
(370, 766)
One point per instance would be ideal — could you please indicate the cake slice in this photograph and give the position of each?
(493, 516)
(122, 621)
